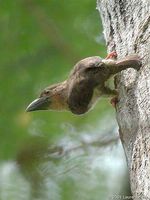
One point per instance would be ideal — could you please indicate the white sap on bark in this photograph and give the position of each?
(126, 26)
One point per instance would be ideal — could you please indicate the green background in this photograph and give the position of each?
(40, 42)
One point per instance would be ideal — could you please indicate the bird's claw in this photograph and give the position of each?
(112, 55)
(114, 101)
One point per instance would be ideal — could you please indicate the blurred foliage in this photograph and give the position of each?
(40, 41)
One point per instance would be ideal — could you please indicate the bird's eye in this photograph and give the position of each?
(47, 92)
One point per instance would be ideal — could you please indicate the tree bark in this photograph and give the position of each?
(127, 31)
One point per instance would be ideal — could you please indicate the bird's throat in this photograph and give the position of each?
(59, 102)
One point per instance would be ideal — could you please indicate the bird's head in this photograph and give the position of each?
(51, 98)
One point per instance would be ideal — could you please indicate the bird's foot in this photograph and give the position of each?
(114, 101)
(112, 55)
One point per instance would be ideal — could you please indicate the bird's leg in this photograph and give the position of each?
(109, 92)
(114, 101)
(112, 55)
(114, 93)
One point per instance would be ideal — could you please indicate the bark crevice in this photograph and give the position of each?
(127, 30)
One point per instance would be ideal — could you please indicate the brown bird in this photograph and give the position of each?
(85, 84)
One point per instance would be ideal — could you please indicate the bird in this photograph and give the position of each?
(85, 84)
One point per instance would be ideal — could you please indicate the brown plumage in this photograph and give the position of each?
(84, 86)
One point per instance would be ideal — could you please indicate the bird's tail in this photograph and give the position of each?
(132, 61)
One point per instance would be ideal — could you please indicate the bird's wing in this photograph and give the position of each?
(89, 62)
(79, 95)
(82, 81)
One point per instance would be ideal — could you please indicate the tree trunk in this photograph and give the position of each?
(127, 31)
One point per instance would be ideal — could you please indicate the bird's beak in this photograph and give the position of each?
(41, 103)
